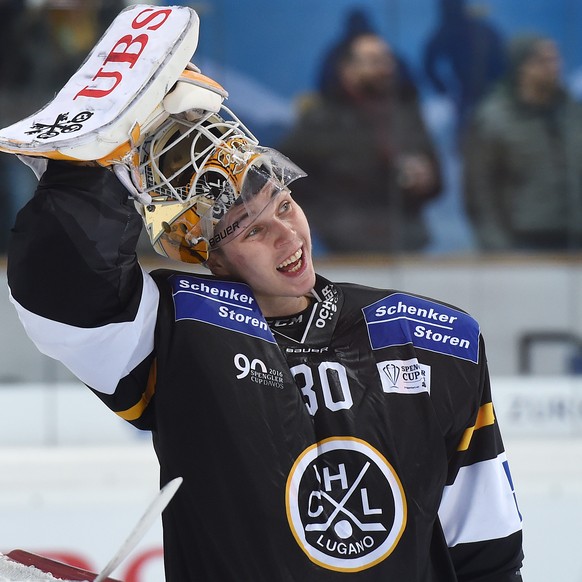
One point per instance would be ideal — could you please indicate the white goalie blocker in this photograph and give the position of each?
(138, 105)
(116, 97)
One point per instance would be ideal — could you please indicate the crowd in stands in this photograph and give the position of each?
(361, 134)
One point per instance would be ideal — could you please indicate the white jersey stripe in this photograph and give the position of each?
(100, 356)
(480, 505)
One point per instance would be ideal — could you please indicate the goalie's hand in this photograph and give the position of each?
(195, 94)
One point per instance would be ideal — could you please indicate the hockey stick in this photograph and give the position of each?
(152, 512)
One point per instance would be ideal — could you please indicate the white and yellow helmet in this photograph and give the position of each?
(195, 166)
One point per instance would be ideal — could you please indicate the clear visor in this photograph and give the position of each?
(246, 210)
(234, 204)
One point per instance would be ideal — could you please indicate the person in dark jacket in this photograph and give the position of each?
(464, 57)
(523, 157)
(369, 156)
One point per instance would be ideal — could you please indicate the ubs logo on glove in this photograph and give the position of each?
(125, 53)
(345, 504)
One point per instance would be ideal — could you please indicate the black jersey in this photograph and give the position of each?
(356, 440)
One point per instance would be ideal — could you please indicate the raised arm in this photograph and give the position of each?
(77, 286)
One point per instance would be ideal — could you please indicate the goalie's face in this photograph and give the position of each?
(272, 253)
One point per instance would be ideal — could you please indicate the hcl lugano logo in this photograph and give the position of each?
(345, 504)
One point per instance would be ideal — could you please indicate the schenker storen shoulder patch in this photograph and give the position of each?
(222, 303)
(401, 319)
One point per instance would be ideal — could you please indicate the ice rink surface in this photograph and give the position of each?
(78, 499)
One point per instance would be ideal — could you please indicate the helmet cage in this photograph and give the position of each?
(201, 138)
(195, 171)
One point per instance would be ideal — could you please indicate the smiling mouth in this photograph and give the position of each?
(293, 263)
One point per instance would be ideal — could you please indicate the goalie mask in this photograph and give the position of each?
(195, 171)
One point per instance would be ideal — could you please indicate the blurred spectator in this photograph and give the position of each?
(357, 24)
(371, 164)
(464, 57)
(523, 165)
(14, 73)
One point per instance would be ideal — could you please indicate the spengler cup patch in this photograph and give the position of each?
(345, 504)
(401, 319)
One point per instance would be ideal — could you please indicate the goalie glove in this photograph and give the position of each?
(104, 111)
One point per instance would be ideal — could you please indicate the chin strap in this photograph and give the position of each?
(37, 165)
(123, 174)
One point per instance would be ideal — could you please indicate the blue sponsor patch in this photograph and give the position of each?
(401, 319)
(228, 305)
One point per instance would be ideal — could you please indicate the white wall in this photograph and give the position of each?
(79, 503)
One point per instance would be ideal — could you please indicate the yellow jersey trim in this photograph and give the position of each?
(485, 417)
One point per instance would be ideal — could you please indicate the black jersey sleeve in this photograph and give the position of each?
(72, 250)
(77, 285)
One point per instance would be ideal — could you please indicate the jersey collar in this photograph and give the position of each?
(316, 325)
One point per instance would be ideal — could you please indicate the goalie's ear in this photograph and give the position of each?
(194, 92)
(216, 263)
